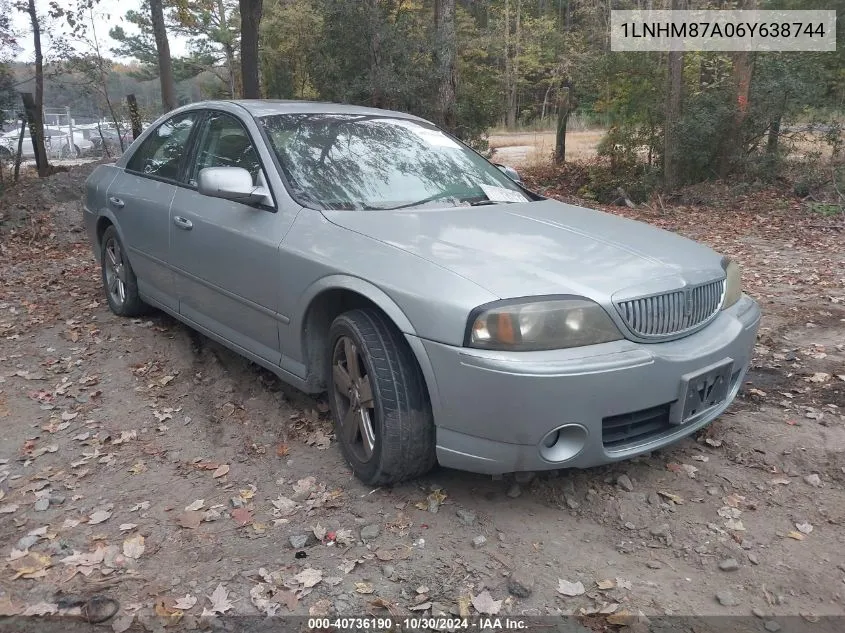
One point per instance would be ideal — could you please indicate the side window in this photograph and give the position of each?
(226, 143)
(162, 151)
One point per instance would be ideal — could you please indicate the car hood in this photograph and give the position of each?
(543, 247)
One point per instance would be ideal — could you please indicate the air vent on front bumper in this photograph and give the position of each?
(672, 313)
(620, 430)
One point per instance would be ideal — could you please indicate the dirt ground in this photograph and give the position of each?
(521, 149)
(141, 462)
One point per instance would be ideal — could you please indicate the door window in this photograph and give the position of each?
(226, 143)
(162, 152)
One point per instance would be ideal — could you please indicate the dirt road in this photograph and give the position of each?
(142, 462)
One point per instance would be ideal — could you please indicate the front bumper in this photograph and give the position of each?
(494, 411)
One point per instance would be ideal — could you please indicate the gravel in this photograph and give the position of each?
(624, 482)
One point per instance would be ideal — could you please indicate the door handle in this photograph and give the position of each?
(116, 202)
(183, 223)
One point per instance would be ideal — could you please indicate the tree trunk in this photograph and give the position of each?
(230, 64)
(445, 51)
(35, 114)
(250, 21)
(20, 150)
(34, 118)
(512, 45)
(674, 102)
(134, 115)
(564, 107)
(165, 65)
(743, 68)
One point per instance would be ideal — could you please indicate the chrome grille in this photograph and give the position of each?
(672, 313)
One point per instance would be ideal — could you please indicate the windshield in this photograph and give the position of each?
(340, 161)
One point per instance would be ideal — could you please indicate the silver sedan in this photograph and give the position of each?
(452, 315)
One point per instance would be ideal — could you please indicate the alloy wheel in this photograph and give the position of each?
(115, 272)
(353, 399)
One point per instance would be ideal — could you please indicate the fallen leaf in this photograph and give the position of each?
(185, 603)
(605, 584)
(485, 604)
(570, 588)
(282, 450)
(221, 471)
(621, 618)
(392, 608)
(672, 497)
(463, 606)
(41, 608)
(144, 505)
(190, 519)
(9, 508)
(819, 376)
(98, 517)
(344, 537)
(624, 584)
(798, 536)
(284, 507)
(31, 566)
(735, 525)
(304, 486)
(242, 516)
(321, 608)
(364, 587)
(127, 527)
(165, 608)
(196, 505)
(309, 577)
(219, 599)
(319, 532)
(9, 608)
(133, 547)
(420, 607)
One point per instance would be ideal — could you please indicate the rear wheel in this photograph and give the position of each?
(119, 279)
(378, 399)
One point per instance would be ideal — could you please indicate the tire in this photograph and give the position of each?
(119, 281)
(397, 418)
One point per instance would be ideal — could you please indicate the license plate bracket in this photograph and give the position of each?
(701, 391)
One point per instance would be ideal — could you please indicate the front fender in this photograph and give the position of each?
(388, 306)
(360, 286)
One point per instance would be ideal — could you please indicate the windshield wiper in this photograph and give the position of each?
(436, 196)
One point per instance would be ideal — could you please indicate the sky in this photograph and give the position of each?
(108, 13)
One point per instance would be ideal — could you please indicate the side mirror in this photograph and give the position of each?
(510, 172)
(230, 183)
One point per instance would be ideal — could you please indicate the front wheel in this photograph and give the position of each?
(378, 398)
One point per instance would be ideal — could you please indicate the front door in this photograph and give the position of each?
(226, 254)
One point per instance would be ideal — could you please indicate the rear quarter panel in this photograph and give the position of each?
(95, 203)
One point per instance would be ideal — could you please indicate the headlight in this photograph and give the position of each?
(733, 282)
(540, 325)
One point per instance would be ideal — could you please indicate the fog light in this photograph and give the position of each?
(563, 443)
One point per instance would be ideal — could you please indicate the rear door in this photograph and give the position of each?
(226, 254)
(139, 199)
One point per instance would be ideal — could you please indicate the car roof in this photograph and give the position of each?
(268, 107)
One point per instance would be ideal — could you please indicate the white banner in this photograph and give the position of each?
(722, 30)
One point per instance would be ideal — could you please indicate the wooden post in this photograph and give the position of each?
(564, 106)
(20, 149)
(36, 131)
(134, 116)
